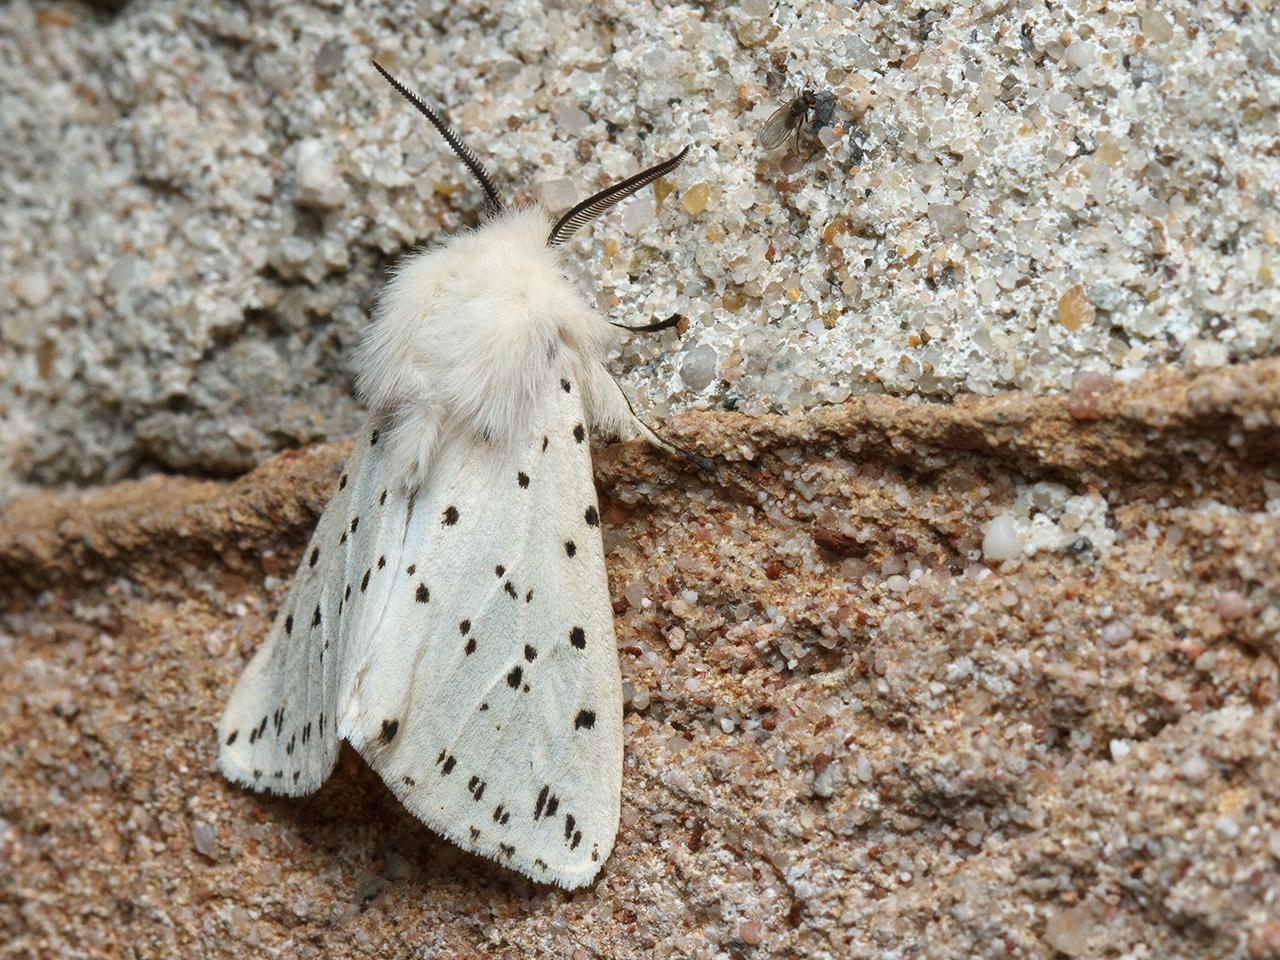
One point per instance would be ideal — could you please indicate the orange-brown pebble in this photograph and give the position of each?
(751, 932)
(694, 200)
(1074, 308)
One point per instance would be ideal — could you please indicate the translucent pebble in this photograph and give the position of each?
(637, 215)
(318, 181)
(948, 218)
(1232, 605)
(204, 838)
(123, 274)
(1081, 54)
(1068, 931)
(33, 288)
(1001, 540)
(1156, 26)
(556, 195)
(1193, 768)
(694, 200)
(571, 120)
(698, 368)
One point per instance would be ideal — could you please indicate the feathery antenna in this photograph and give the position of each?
(592, 207)
(465, 154)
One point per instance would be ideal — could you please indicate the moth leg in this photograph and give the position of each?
(658, 440)
(654, 327)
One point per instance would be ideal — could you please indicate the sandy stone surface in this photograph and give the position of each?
(202, 200)
(848, 733)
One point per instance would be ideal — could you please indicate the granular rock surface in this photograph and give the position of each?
(987, 678)
(202, 200)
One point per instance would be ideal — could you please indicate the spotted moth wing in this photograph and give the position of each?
(482, 682)
(278, 732)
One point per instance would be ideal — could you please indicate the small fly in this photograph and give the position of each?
(792, 116)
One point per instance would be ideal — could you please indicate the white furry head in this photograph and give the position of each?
(467, 337)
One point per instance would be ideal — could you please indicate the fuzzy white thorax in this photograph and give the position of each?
(469, 336)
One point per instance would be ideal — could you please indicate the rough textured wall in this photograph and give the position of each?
(847, 736)
(202, 199)
(964, 677)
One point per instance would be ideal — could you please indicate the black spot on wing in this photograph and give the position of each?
(522, 479)
(510, 590)
(342, 484)
(578, 637)
(288, 625)
(579, 433)
(530, 653)
(355, 522)
(389, 728)
(570, 547)
(592, 517)
(315, 555)
(373, 438)
(412, 569)
(364, 581)
(382, 562)
(513, 678)
(422, 594)
(232, 739)
(499, 570)
(585, 719)
(315, 617)
(545, 441)
(547, 803)
(382, 500)
(450, 516)
(565, 386)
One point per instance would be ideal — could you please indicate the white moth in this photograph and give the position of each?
(451, 617)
